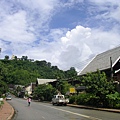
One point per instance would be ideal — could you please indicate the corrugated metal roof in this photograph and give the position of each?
(102, 61)
(44, 81)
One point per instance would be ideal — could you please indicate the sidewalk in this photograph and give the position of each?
(6, 112)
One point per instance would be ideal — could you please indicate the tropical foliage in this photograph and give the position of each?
(99, 92)
(23, 71)
(44, 92)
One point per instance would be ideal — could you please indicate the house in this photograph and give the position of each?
(108, 62)
(45, 81)
(30, 88)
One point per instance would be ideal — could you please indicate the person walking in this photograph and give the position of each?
(29, 101)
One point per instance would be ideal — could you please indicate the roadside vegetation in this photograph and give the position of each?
(99, 91)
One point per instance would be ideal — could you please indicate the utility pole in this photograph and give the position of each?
(111, 68)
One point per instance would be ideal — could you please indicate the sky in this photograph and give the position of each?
(66, 33)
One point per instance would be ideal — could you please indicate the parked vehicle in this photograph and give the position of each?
(9, 97)
(59, 99)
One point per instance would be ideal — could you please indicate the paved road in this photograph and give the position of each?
(46, 111)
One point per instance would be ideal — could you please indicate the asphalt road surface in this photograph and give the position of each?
(46, 111)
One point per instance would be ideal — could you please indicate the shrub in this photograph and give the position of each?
(86, 99)
(113, 100)
(72, 99)
(82, 99)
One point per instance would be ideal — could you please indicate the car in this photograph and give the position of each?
(9, 97)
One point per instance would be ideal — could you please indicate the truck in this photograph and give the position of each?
(60, 99)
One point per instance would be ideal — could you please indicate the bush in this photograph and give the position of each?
(117, 106)
(82, 99)
(113, 100)
(85, 99)
(72, 99)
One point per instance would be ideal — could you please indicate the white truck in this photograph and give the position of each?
(59, 99)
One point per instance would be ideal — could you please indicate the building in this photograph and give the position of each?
(108, 62)
(29, 89)
(45, 81)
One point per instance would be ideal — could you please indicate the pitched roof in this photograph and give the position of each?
(102, 61)
(117, 71)
(44, 81)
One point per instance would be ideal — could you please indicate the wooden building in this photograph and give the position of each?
(109, 62)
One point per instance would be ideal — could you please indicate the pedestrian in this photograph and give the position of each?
(29, 101)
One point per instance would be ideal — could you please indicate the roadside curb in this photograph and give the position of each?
(7, 111)
(94, 108)
(12, 113)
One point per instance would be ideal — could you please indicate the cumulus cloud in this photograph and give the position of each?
(81, 44)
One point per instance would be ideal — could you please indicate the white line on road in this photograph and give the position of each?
(82, 115)
(43, 117)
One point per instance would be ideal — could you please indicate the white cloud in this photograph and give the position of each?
(115, 14)
(105, 1)
(111, 7)
(39, 12)
(80, 44)
(40, 4)
(21, 23)
(70, 3)
(21, 20)
(14, 29)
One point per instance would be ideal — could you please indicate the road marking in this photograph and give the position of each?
(82, 115)
(43, 117)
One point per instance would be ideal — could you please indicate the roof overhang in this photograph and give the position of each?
(45, 81)
(118, 60)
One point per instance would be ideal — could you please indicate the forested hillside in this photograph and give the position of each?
(24, 71)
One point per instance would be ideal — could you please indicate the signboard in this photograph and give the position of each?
(72, 90)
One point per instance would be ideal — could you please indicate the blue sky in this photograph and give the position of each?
(67, 33)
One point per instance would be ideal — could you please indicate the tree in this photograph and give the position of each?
(6, 57)
(3, 87)
(41, 63)
(71, 73)
(97, 84)
(24, 58)
(65, 87)
(44, 92)
(15, 57)
(24, 71)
